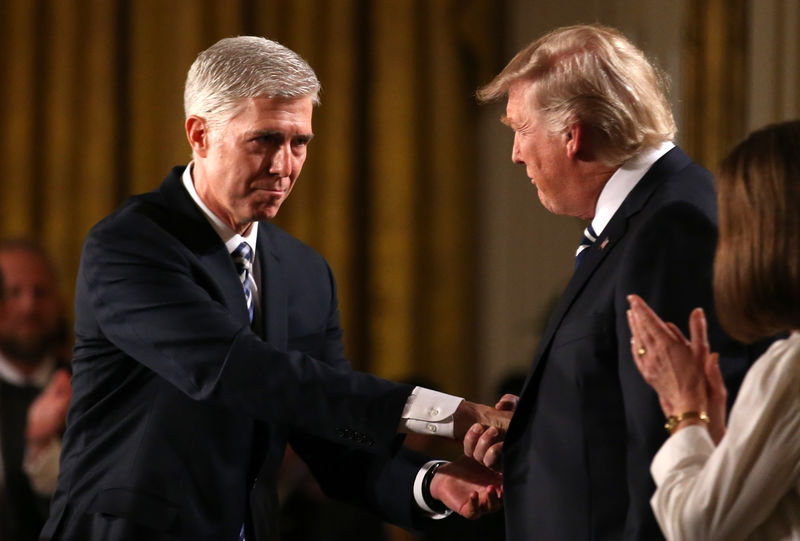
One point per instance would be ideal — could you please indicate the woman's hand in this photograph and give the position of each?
(717, 398)
(674, 366)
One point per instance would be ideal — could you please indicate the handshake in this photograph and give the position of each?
(472, 485)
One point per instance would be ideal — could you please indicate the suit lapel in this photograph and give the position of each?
(672, 161)
(194, 231)
(273, 293)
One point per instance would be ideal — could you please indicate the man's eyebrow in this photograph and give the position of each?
(273, 133)
(264, 133)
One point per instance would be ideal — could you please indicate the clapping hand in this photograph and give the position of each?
(683, 372)
(47, 414)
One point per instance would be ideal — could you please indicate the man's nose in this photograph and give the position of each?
(26, 301)
(282, 161)
(515, 155)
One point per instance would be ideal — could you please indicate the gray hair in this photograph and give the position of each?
(234, 69)
(595, 76)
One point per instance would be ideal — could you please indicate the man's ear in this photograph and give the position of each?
(574, 140)
(197, 133)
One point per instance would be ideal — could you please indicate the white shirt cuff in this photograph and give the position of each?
(686, 444)
(429, 412)
(42, 471)
(418, 492)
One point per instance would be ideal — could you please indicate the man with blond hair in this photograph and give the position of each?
(593, 128)
(206, 339)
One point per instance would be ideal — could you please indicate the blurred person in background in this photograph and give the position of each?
(34, 387)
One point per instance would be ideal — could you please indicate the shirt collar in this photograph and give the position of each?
(231, 238)
(38, 378)
(622, 183)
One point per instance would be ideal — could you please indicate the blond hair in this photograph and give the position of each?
(593, 75)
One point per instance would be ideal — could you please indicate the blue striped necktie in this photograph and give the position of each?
(589, 237)
(243, 260)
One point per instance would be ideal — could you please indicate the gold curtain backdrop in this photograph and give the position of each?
(715, 89)
(91, 104)
(92, 107)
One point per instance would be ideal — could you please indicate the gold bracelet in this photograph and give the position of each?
(674, 420)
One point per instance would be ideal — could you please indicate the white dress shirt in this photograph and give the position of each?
(748, 487)
(426, 411)
(622, 182)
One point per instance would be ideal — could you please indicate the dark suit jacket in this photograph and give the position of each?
(179, 408)
(22, 511)
(578, 450)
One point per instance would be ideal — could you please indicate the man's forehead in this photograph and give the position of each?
(516, 110)
(522, 105)
(24, 264)
(509, 117)
(278, 110)
(304, 103)
(15, 257)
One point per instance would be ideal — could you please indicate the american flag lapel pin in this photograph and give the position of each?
(604, 243)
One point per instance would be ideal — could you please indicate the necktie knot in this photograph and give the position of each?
(589, 238)
(243, 261)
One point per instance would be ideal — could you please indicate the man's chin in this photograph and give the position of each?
(30, 352)
(268, 212)
(553, 208)
(547, 204)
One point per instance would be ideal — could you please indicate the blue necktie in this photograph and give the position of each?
(589, 237)
(243, 260)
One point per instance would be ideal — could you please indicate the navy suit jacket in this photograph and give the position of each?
(579, 447)
(22, 511)
(180, 412)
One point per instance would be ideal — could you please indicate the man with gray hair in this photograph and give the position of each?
(207, 339)
(594, 130)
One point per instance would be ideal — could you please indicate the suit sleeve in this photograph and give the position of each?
(669, 264)
(379, 483)
(155, 305)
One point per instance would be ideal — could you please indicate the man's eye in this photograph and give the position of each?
(301, 141)
(269, 138)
